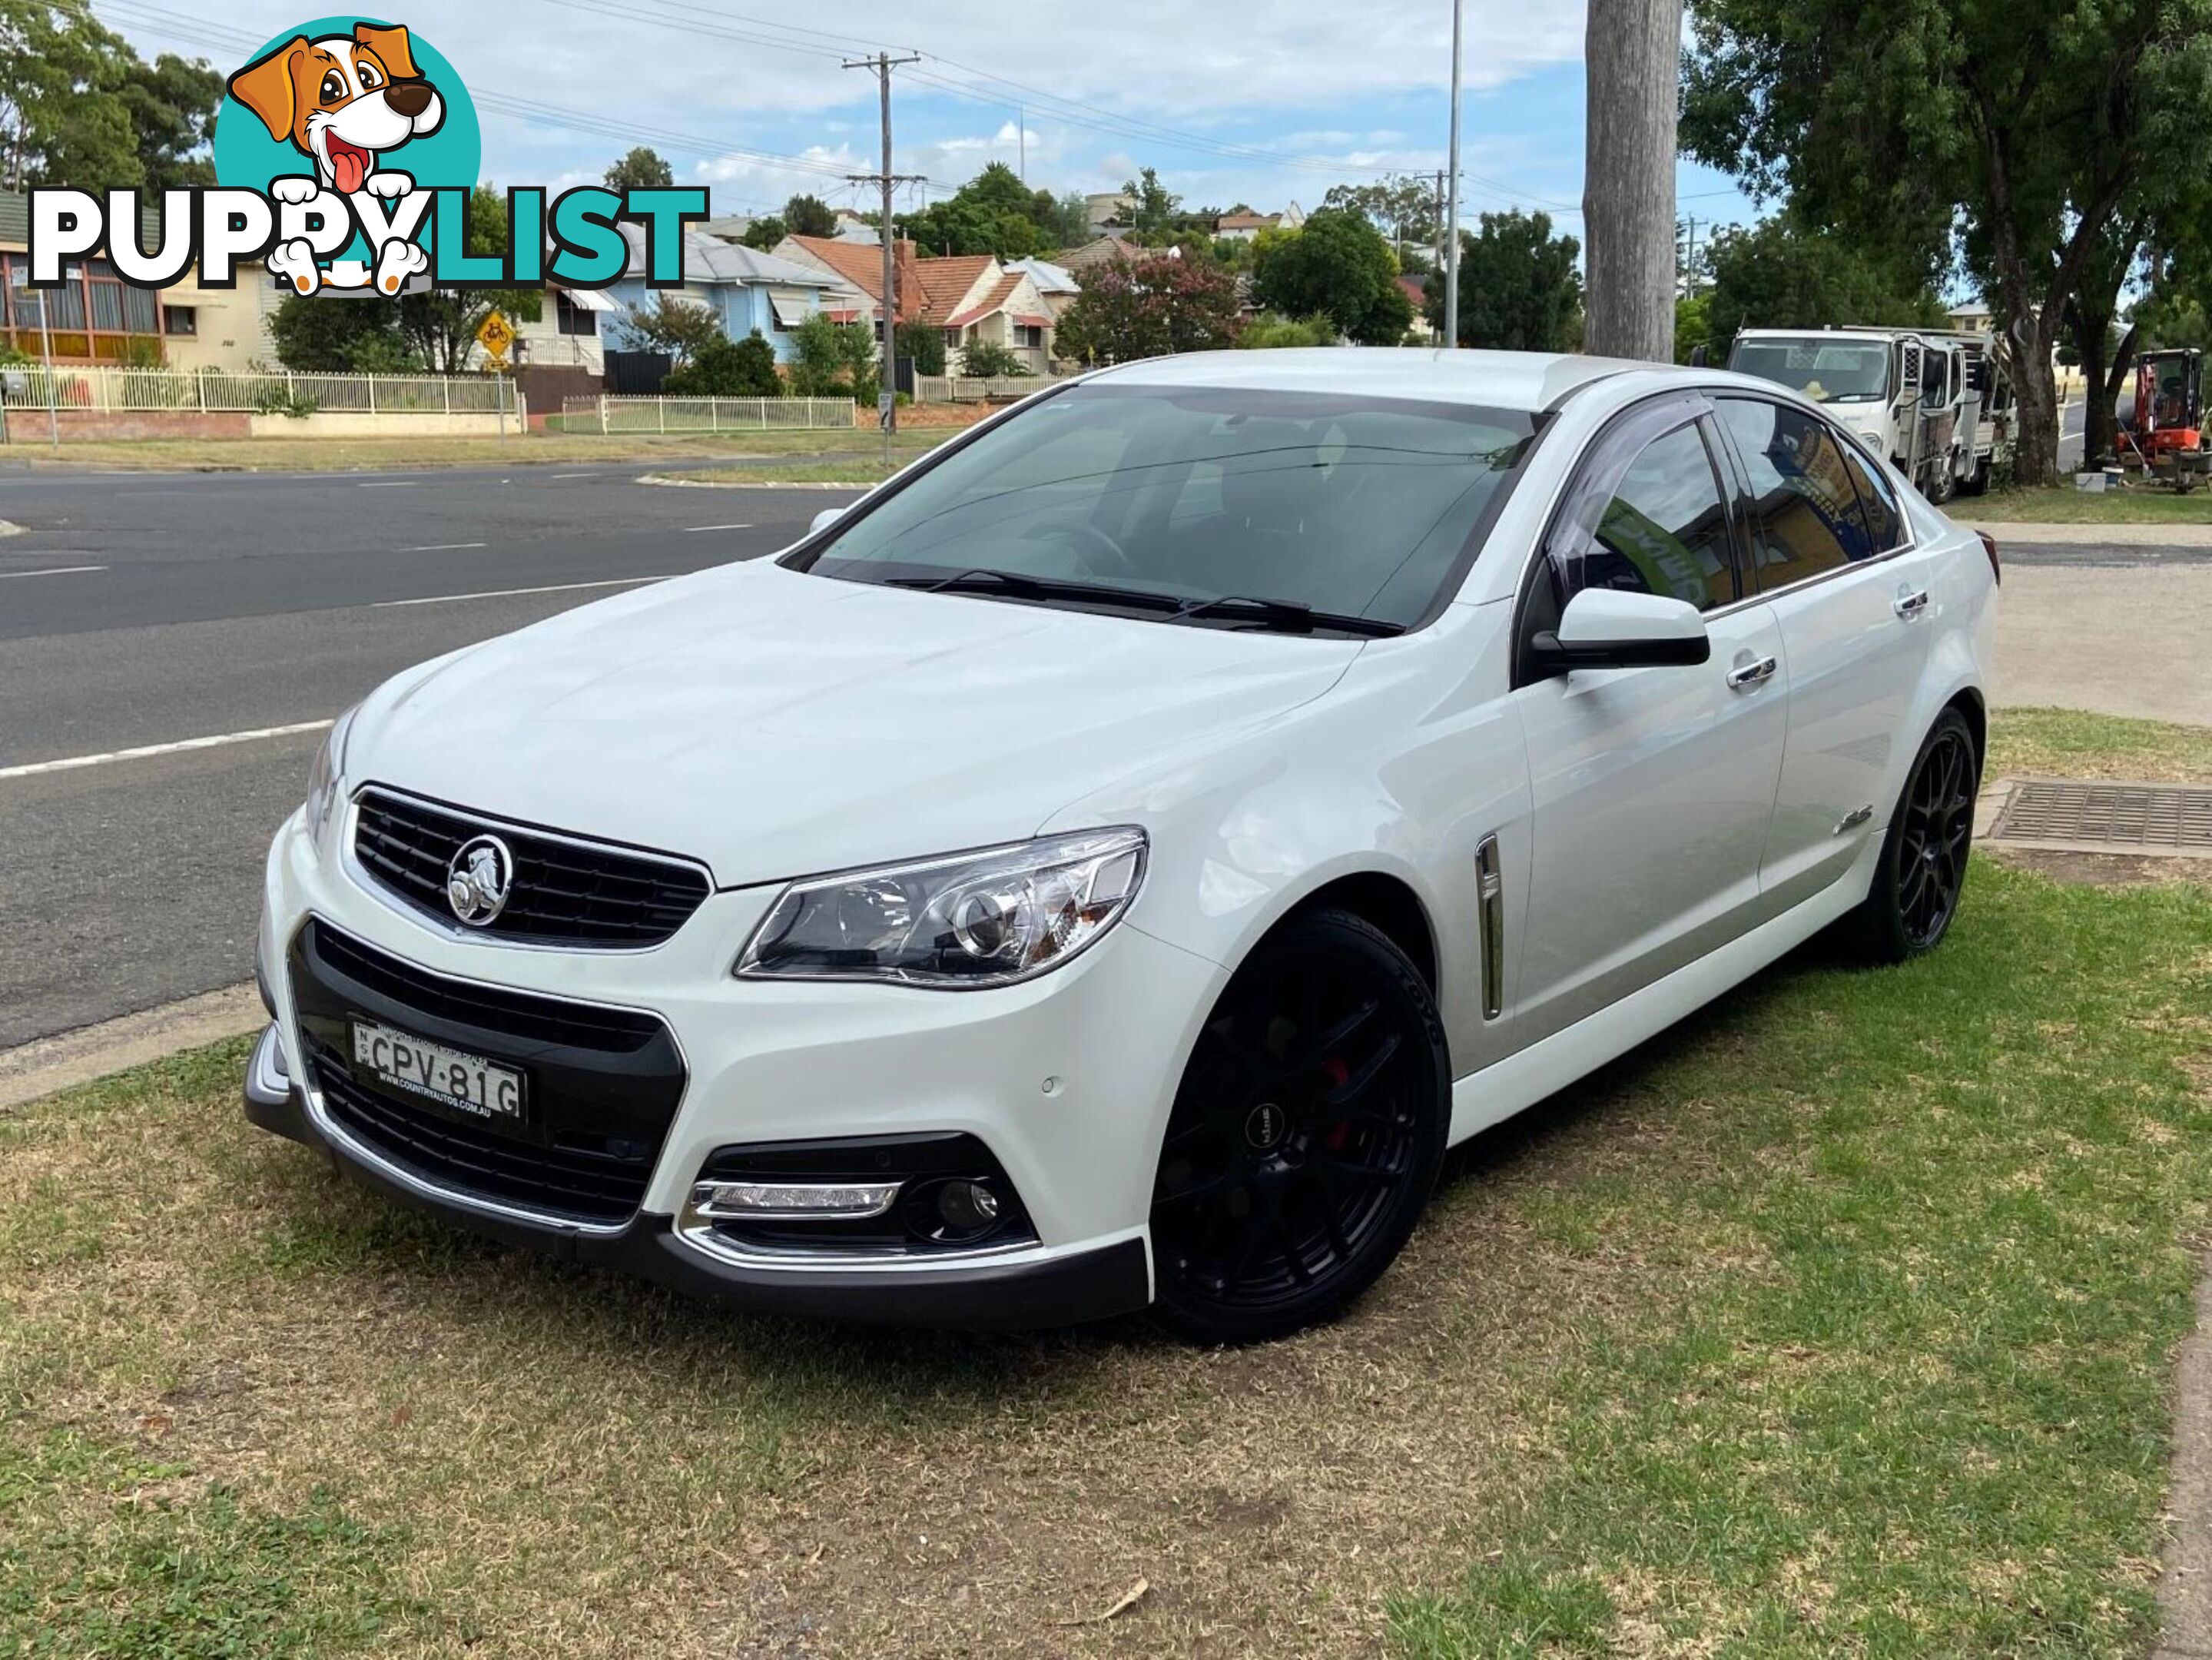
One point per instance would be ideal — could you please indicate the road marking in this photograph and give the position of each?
(572, 475)
(690, 529)
(146, 751)
(510, 593)
(51, 570)
(442, 547)
(389, 484)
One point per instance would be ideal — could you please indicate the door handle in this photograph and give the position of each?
(1751, 676)
(1910, 606)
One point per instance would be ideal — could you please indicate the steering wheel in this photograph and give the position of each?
(1097, 553)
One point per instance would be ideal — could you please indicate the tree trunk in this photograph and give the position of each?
(2091, 338)
(2101, 426)
(1634, 50)
(2035, 456)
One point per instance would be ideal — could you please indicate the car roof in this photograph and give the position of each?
(1492, 379)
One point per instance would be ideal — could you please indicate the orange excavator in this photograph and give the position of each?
(2167, 427)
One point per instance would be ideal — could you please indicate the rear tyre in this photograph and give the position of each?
(1305, 1139)
(1979, 485)
(1923, 872)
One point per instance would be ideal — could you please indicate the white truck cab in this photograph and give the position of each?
(1938, 404)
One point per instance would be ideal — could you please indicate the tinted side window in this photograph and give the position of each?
(1801, 506)
(1666, 530)
(1885, 523)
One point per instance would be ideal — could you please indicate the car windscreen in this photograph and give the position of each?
(1357, 507)
(1826, 371)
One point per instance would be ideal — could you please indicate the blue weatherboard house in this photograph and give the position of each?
(745, 289)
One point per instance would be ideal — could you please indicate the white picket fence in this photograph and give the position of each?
(634, 413)
(966, 389)
(112, 390)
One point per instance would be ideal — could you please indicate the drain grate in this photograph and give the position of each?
(2156, 818)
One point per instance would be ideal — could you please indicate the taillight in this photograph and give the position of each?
(1989, 547)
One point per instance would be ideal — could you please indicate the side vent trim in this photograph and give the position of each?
(1492, 886)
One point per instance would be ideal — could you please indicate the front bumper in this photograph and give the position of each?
(1067, 1081)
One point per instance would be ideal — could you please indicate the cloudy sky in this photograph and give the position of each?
(1264, 103)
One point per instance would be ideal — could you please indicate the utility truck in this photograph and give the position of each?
(1938, 404)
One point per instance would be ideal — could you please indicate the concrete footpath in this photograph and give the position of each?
(2112, 618)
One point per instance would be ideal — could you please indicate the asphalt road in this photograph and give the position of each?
(145, 610)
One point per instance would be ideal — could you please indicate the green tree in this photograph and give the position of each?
(810, 215)
(1335, 265)
(1268, 332)
(1694, 326)
(1132, 308)
(439, 325)
(1518, 287)
(993, 213)
(1403, 206)
(724, 367)
(315, 333)
(830, 359)
(925, 343)
(1895, 121)
(78, 106)
(643, 168)
(1156, 207)
(682, 328)
(989, 360)
(1779, 274)
(765, 233)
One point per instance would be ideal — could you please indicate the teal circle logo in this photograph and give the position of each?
(342, 98)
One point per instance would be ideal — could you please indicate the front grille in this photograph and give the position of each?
(601, 1085)
(511, 1013)
(601, 1182)
(564, 893)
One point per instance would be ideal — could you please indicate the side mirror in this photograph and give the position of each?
(823, 520)
(1610, 629)
(1697, 356)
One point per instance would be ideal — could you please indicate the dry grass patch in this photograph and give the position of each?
(1779, 1336)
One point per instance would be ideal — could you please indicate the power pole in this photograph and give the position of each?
(1451, 212)
(1634, 49)
(887, 392)
(1022, 126)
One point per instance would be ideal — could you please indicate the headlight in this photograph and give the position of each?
(972, 920)
(326, 780)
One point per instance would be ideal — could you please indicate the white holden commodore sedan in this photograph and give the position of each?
(1108, 865)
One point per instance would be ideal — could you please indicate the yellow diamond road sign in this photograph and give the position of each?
(496, 334)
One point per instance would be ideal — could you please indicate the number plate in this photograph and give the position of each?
(466, 1084)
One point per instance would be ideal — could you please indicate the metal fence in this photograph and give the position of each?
(964, 389)
(109, 391)
(622, 414)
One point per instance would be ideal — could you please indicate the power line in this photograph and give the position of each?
(195, 32)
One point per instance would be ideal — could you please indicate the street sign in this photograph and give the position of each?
(496, 334)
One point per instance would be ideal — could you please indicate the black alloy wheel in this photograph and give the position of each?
(1306, 1136)
(1923, 872)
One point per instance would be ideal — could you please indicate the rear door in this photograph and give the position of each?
(1651, 787)
(1833, 558)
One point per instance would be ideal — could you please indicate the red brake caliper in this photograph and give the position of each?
(1336, 1072)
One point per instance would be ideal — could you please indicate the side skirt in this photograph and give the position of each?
(1544, 1068)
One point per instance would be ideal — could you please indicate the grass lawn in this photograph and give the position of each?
(2069, 743)
(341, 454)
(863, 465)
(2139, 504)
(1840, 1319)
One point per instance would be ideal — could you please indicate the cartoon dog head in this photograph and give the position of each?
(342, 99)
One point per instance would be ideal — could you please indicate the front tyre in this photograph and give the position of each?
(1306, 1136)
(1923, 872)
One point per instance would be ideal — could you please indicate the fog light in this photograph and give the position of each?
(821, 1201)
(968, 1207)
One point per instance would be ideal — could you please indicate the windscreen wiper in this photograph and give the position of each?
(1019, 586)
(1285, 615)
